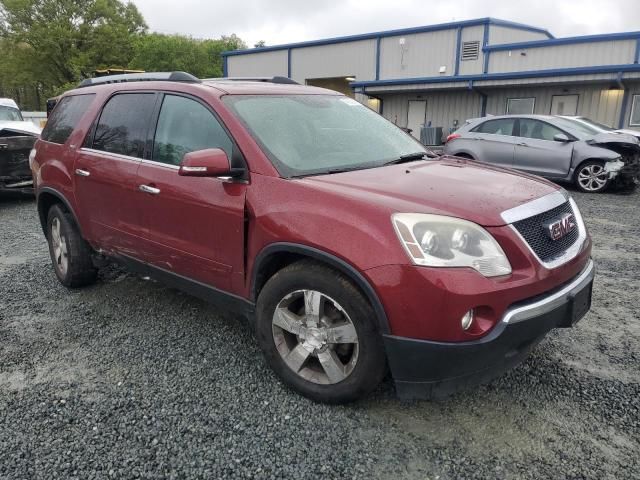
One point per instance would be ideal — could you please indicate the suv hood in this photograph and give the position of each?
(445, 186)
(20, 128)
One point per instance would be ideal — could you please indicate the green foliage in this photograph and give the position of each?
(48, 46)
(159, 52)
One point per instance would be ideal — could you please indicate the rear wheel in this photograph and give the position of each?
(317, 332)
(591, 177)
(70, 253)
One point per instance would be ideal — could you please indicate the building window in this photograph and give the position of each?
(520, 106)
(634, 121)
(564, 104)
(470, 50)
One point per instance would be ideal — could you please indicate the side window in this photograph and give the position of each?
(186, 126)
(65, 117)
(538, 130)
(500, 126)
(123, 124)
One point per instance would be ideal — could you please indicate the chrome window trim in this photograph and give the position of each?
(553, 301)
(570, 252)
(535, 207)
(119, 156)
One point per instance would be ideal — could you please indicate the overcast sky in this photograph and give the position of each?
(285, 21)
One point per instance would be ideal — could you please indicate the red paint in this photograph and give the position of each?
(212, 231)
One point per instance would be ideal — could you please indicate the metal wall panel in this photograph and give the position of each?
(265, 64)
(422, 54)
(499, 34)
(470, 34)
(357, 59)
(563, 56)
(598, 102)
(442, 107)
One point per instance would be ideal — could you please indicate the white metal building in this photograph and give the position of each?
(440, 75)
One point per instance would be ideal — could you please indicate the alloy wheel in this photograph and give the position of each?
(315, 337)
(60, 249)
(592, 177)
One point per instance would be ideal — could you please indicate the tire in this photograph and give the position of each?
(464, 155)
(590, 177)
(351, 369)
(70, 253)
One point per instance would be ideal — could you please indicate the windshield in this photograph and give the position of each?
(9, 114)
(314, 134)
(597, 125)
(577, 127)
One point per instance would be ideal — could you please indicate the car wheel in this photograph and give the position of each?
(591, 177)
(70, 253)
(317, 332)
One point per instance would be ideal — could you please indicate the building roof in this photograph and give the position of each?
(393, 33)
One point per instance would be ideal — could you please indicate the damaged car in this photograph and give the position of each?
(554, 147)
(17, 138)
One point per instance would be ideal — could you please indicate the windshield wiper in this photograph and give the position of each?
(409, 157)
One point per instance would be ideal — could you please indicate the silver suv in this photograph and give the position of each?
(553, 147)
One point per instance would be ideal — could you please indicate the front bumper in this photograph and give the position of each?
(428, 369)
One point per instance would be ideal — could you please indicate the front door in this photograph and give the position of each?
(416, 116)
(106, 169)
(193, 226)
(537, 152)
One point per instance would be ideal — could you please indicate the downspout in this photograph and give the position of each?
(483, 99)
(625, 100)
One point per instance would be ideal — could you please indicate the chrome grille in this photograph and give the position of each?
(533, 231)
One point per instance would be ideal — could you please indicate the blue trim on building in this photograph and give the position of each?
(623, 108)
(289, 62)
(483, 104)
(392, 33)
(225, 73)
(637, 60)
(607, 37)
(485, 42)
(502, 76)
(378, 42)
(456, 69)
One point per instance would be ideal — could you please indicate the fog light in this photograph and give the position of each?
(467, 320)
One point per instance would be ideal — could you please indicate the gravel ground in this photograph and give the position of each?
(129, 379)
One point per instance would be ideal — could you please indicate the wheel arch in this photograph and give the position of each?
(48, 197)
(276, 256)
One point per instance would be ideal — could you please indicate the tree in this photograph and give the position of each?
(260, 44)
(65, 40)
(202, 58)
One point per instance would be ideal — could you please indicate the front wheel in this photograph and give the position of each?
(317, 332)
(591, 177)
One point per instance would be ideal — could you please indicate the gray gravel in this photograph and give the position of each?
(129, 379)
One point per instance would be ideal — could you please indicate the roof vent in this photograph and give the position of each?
(471, 50)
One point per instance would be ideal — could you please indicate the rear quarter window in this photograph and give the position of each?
(65, 117)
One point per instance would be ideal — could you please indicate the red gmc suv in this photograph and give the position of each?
(348, 245)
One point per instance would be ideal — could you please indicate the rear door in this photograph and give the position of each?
(106, 169)
(537, 152)
(493, 142)
(193, 226)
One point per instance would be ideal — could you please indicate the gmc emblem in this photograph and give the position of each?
(556, 229)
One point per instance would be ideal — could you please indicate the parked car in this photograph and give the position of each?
(550, 146)
(326, 225)
(17, 138)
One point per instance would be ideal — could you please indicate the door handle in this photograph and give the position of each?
(82, 173)
(148, 189)
(522, 144)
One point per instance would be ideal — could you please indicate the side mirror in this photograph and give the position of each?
(561, 137)
(212, 162)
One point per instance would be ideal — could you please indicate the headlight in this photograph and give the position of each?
(439, 241)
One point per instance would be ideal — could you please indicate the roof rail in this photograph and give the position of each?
(141, 77)
(276, 79)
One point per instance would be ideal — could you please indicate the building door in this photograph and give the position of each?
(416, 116)
(564, 105)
